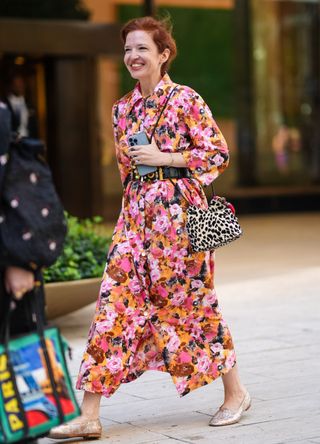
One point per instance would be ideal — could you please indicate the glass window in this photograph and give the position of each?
(286, 86)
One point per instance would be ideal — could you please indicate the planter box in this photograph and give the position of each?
(64, 297)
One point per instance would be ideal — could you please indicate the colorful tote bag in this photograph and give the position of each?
(35, 388)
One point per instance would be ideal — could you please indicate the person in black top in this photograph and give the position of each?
(23, 117)
(13, 280)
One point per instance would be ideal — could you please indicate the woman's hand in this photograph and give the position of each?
(18, 281)
(149, 155)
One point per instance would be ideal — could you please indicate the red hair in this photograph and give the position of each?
(161, 32)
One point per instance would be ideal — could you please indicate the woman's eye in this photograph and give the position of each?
(142, 47)
(126, 49)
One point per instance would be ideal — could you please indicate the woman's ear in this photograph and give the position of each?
(165, 55)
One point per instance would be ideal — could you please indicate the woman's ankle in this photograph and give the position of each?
(236, 392)
(90, 406)
(86, 417)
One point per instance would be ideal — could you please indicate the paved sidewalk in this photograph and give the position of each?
(268, 286)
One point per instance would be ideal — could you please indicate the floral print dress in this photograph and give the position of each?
(157, 308)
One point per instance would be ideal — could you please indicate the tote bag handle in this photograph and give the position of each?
(40, 329)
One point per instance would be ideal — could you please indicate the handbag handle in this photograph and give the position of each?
(175, 185)
(163, 108)
(6, 338)
(35, 307)
(40, 328)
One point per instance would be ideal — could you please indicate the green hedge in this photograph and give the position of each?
(84, 253)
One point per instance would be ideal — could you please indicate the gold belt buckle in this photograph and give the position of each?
(156, 175)
(151, 176)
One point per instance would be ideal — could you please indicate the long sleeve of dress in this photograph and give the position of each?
(207, 154)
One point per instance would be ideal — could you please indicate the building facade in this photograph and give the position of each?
(256, 63)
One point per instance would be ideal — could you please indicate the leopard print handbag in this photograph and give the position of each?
(211, 228)
(214, 227)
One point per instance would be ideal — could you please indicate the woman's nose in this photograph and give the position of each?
(134, 53)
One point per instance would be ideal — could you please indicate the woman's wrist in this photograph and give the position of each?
(168, 160)
(175, 160)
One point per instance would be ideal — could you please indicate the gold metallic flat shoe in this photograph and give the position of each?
(90, 429)
(226, 417)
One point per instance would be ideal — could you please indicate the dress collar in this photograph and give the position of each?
(159, 93)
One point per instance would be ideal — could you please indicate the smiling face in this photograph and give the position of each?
(142, 57)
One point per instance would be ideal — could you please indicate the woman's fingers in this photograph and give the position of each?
(136, 153)
(18, 281)
(146, 154)
(143, 150)
(19, 294)
(132, 153)
(136, 149)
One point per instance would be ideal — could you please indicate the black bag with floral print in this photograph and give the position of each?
(32, 222)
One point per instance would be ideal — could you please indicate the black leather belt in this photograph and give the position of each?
(161, 174)
(175, 173)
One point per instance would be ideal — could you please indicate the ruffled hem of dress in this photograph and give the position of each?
(221, 373)
(87, 387)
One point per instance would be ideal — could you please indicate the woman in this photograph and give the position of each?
(157, 307)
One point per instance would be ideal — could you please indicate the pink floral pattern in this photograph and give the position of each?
(157, 308)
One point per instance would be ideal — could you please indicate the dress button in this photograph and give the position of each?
(143, 253)
(146, 314)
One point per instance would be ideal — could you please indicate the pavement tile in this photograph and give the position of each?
(267, 431)
(125, 433)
